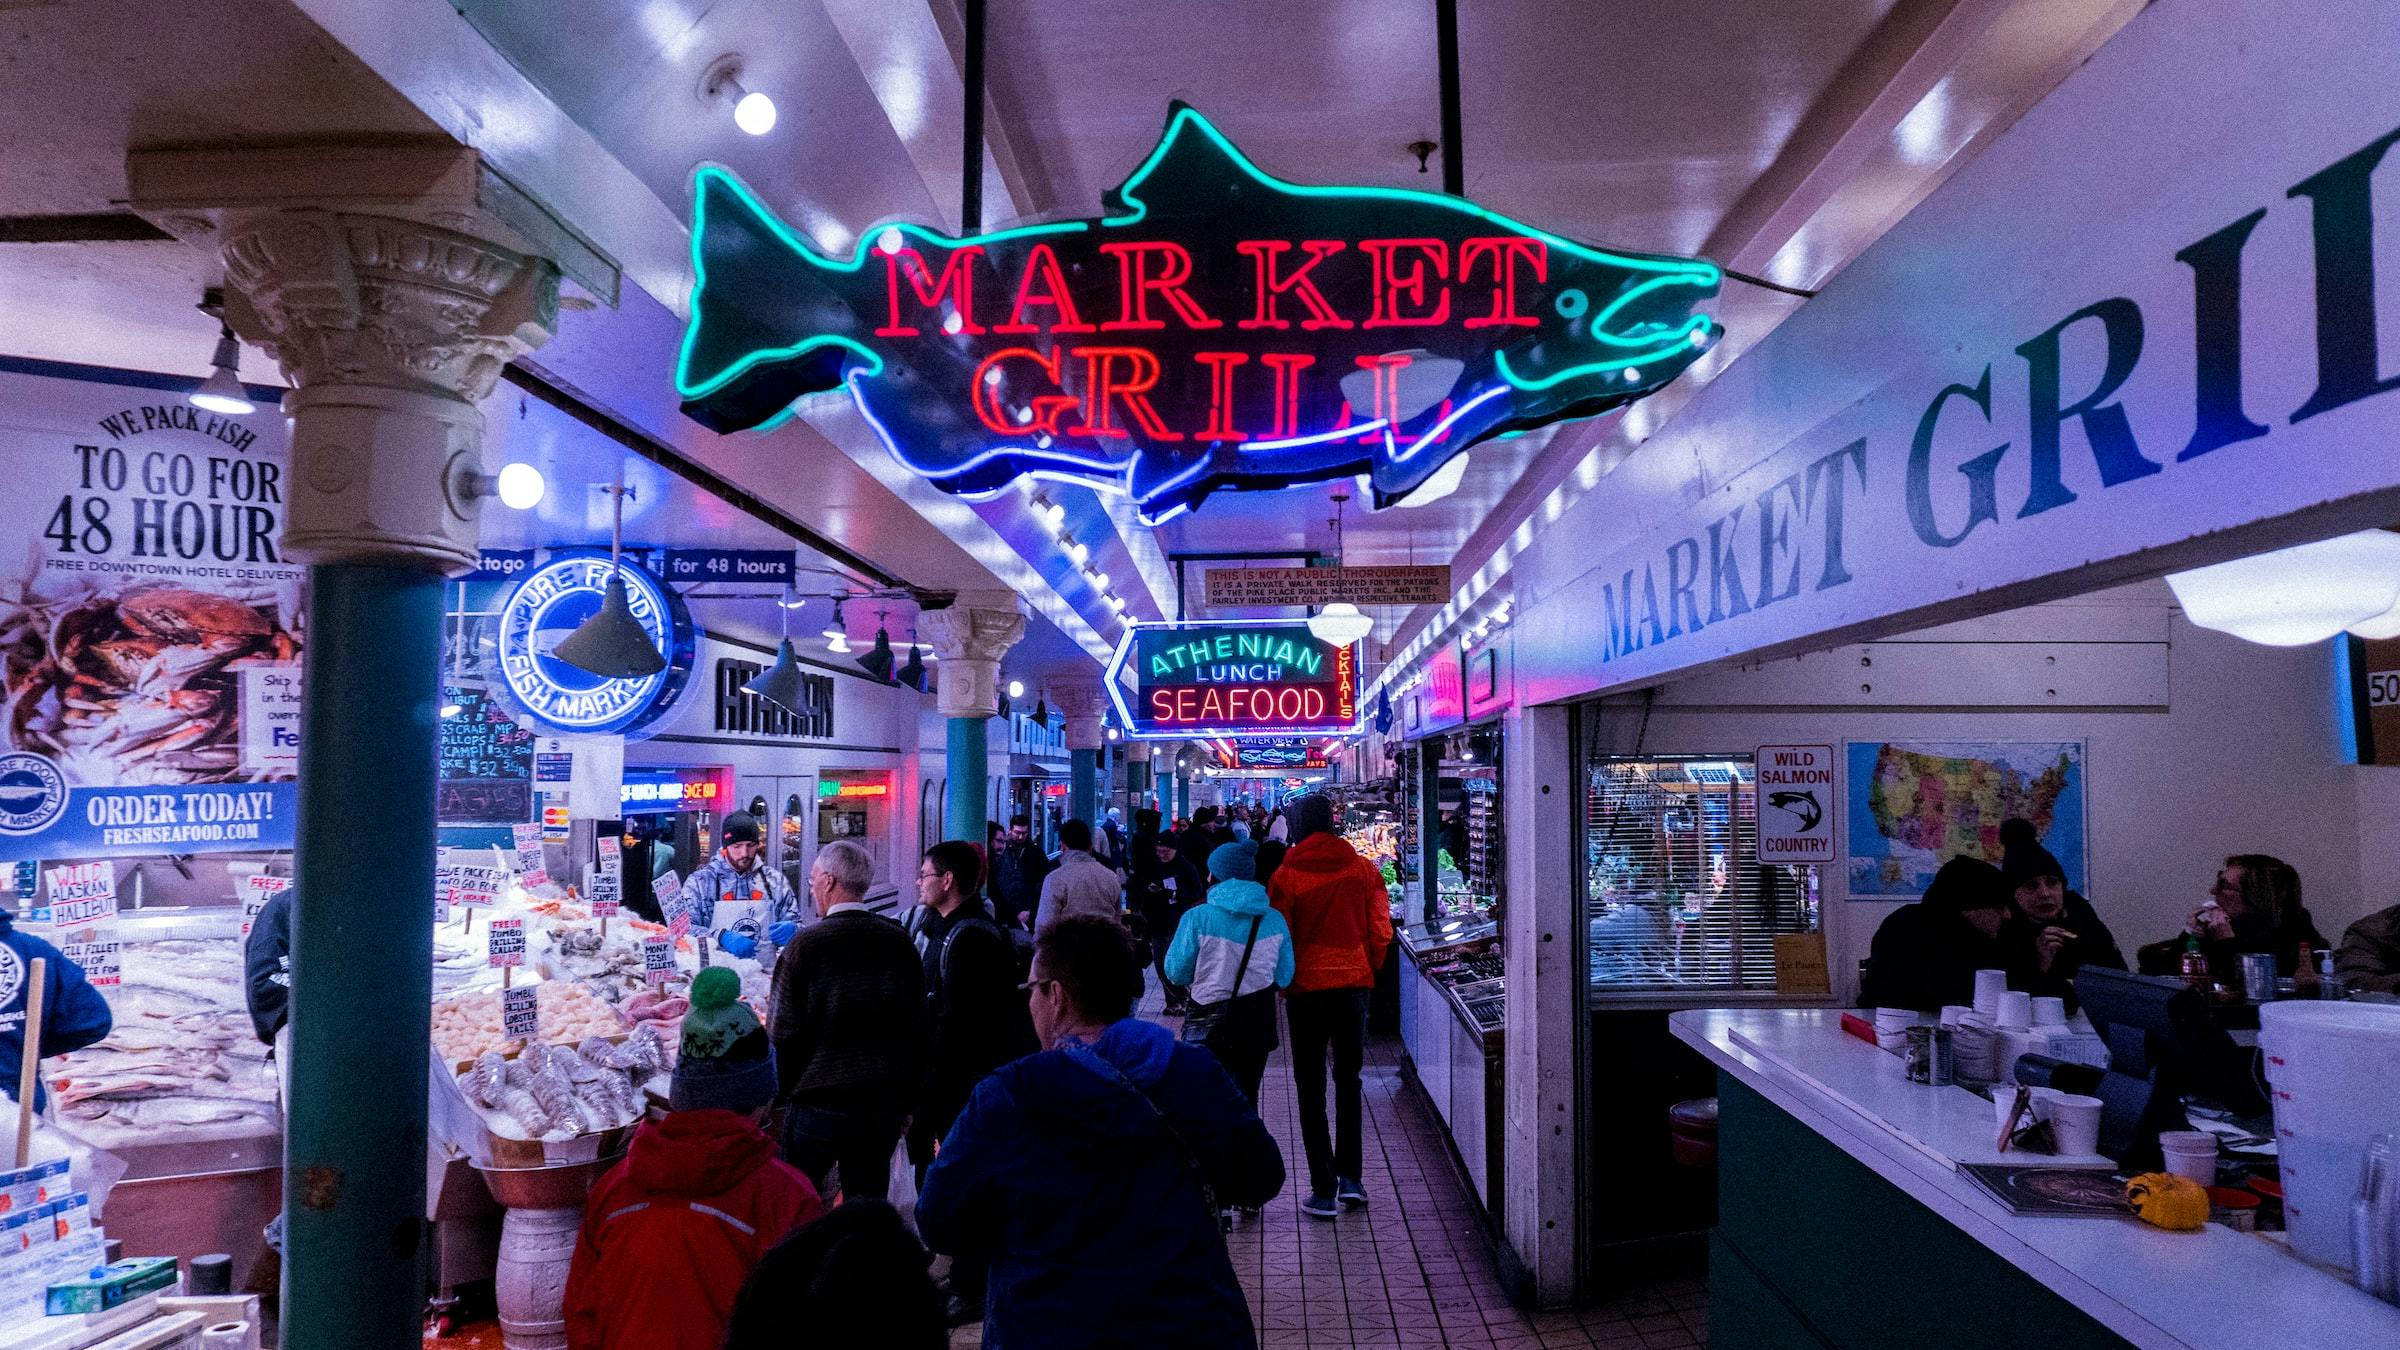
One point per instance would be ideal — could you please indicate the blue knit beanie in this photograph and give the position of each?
(1237, 861)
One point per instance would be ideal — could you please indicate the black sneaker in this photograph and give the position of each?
(1350, 1193)
(1320, 1207)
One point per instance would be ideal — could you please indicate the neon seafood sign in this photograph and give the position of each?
(1232, 679)
(1220, 328)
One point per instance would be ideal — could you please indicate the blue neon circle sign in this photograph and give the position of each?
(548, 604)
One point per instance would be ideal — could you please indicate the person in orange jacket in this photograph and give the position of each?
(1341, 922)
(671, 1232)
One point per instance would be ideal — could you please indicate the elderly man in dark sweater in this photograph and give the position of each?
(851, 1030)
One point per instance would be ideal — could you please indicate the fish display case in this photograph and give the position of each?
(1453, 1003)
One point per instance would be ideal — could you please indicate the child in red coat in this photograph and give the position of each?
(670, 1233)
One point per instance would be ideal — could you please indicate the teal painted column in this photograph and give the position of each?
(1183, 794)
(362, 959)
(970, 763)
(1083, 785)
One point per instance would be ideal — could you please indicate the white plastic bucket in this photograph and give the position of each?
(2333, 1070)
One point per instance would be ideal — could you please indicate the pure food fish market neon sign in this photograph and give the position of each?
(1231, 679)
(1220, 329)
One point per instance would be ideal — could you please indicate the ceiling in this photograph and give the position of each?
(1778, 139)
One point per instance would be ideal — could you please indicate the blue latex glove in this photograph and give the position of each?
(781, 934)
(739, 944)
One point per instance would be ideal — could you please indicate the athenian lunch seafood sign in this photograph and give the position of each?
(149, 626)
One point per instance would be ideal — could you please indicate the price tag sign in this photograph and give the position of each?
(445, 876)
(82, 893)
(658, 958)
(95, 948)
(521, 1013)
(507, 938)
(604, 887)
(256, 892)
(473, 886)
(668, 890)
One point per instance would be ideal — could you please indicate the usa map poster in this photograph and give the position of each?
(1913, 805)
(150, 630)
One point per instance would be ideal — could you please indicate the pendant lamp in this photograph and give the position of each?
(1041, 711)
(611, 643)
(1340, 623)
(912, 672)
(878, 660)
(779, 684)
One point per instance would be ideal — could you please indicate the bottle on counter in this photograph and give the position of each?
(2195, 964)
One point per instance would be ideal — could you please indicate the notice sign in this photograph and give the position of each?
(1324, 585)
(445, 878)
(1795, 804)
(256, 892)
(83, 893)
(472, 886)
(521, 1010)
(271, 716)
(507, 941)
(95, 948)
(658, 958)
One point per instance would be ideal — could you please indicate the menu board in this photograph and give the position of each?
(486, 775)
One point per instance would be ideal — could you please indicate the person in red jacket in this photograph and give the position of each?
(671, 1232)
(1341, 921)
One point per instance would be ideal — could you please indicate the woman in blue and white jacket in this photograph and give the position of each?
(1207, 954)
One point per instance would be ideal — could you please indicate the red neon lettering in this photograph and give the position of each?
(1220, 395)
(1386, 370)
(1233, 703)
(1264, 252)
(957, 281)
(1133, 299)
(1391, 282)
(1312, 704)
(1212, 706)
(1041, 266)
(1102, 388)
(1162, 704)
(1506, 254)
(1046, 408)
(1287, 367)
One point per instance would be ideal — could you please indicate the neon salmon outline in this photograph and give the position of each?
(1617, 326)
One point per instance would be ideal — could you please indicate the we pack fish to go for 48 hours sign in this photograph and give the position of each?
(1219, 328)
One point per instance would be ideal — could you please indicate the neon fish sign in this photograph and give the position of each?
(1219, 329)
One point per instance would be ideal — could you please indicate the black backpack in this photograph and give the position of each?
(1020, 947)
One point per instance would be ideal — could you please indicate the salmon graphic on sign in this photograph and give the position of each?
(1218, 329)
(1796, 793)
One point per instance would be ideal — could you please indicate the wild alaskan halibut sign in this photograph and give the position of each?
(1218, 329)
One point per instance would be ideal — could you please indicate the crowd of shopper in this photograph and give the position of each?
(1078, 1165)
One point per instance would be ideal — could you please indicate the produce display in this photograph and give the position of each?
(182, 1055)
(467, 1026)
(553, 1093)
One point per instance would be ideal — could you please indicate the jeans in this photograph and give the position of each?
(817, 1139)
(1335, 1020)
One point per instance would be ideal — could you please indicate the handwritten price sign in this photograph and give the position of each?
(472, 886)
(521, 1013)
(658, 958)
(604, 887)
(256, 892)
(507, 939)
(82, 893)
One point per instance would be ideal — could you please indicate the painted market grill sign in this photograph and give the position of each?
(1219, 328)
(1232, 679)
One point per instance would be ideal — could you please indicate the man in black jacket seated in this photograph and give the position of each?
(1926, 954)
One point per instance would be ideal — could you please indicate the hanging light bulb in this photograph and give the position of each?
(1016, 689)
(779, 684)
(611, 643)
(753, 111)
(837, 633)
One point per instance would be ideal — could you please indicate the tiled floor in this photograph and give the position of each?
(1413, 1269)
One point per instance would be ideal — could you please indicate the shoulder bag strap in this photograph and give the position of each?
(1091, 1060)
(1244, 968)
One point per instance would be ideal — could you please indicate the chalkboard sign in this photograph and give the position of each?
(487, 763)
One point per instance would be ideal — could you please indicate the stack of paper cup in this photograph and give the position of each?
(2015, 1012)
(1971, 1050)
(1989, 986)
(1891, 1027)
(2049, 1012)
(2190, 1153)
(1954, 1013)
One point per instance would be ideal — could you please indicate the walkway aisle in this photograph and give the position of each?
(1413, 1268)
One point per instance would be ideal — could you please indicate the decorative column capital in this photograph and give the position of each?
(971, 637)
(1085, 706)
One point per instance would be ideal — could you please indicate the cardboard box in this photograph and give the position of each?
(107, 1286)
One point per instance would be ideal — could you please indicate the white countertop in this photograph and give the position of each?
(2216, 1287)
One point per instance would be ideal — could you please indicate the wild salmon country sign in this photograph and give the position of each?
(1218, 329)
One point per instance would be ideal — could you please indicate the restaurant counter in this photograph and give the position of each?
(1843, 1221)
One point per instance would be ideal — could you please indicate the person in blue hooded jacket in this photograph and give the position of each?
(1208, 958)
(73, 1013)
(1083, 1172)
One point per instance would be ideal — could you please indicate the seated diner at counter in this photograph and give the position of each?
(2253, 907)
(2369, 957)
(2052, 931)
(1926, 954)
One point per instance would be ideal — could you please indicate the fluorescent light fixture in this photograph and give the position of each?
(2295, 596)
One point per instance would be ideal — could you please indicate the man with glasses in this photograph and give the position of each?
(979, 1017)
(1084, 1173)
(851, 1031)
